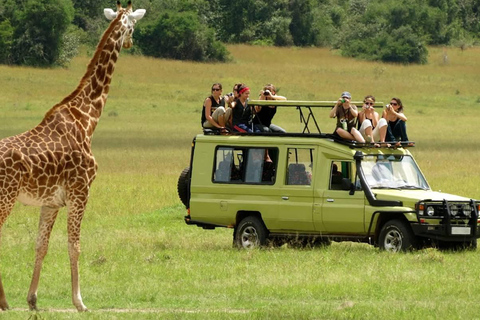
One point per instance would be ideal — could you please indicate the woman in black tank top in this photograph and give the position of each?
(214, 114)
(397, 127)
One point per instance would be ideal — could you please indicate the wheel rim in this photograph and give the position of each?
(393, 241)
(249, 238)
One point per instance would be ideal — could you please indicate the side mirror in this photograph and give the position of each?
(347, 185)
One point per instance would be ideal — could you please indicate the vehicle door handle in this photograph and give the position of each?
(330, 200)
(285, 198)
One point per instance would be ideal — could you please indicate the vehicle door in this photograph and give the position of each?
(295, 206)
(342, 212)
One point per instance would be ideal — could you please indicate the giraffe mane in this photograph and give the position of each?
(90, 67)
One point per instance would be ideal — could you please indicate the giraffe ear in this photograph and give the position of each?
(110, 14)
(138, 14)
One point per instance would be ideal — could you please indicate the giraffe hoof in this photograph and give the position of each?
(32, 302)
(82, 309)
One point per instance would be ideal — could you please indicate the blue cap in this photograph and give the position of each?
(346, 94)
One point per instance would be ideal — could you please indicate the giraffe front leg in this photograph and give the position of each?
(47, 220)
(74, 223)
(3, 299)
(6, 206)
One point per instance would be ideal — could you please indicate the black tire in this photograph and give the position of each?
(183, 187)
(396, 236)
(250, 233)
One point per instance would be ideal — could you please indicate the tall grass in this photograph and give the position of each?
(140, 260)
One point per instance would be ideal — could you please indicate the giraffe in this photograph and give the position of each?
(52, 165)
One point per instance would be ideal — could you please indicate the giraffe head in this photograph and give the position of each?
(128, 20)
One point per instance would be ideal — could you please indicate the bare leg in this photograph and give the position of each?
(383, 134)
(47, 220)
(221, 120)
(369, 133)
(357, 135)
(344, 134)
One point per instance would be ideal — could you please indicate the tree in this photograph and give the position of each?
(6, 41)
(400, 37)
(301, 26)
(180, 35)
(38, 30)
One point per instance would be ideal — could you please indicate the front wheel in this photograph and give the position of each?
(396, 236)
(250, 233)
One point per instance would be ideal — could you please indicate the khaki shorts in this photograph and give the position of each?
(227, 114)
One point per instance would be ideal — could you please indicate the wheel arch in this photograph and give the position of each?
(242, 214)
(384, 217)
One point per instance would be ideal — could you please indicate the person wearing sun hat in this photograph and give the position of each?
(346, 114)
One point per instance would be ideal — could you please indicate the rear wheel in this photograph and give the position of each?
(183, 187)
(396, 236)
(250, 233)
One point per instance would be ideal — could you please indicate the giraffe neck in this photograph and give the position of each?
(84, 106)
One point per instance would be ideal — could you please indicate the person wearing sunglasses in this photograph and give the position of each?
(346, 114)
(214, 114)
(371, 127)
(397, 127)
(264, 115)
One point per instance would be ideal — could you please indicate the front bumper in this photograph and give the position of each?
(454, 233)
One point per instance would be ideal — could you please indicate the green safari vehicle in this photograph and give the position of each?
(315, 188)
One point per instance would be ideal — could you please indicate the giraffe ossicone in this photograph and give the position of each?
(52, 165)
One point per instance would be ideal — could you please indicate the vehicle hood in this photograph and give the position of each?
(410, 197)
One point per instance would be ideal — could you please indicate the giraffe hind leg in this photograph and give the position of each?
(45, 225)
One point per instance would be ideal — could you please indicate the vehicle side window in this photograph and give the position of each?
(245, 165)
(299, 166)
(340, 175)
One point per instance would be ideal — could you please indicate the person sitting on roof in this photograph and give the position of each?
(346, 114)
(397, 127)
(370, 126)
(242, 112)
(214, 114)
(264, 114)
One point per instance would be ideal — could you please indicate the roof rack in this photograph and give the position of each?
(307, 116)
(304, 108)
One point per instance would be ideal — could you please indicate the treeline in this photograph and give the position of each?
(48, 32)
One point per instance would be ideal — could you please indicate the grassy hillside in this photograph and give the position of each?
(139, 259)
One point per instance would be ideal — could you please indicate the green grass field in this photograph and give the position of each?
(140, 261)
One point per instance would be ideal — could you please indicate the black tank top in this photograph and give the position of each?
(214, 107)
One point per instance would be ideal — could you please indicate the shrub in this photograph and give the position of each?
(180, 35)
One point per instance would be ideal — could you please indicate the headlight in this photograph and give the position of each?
(467, 210)
(454, 210)
(430, 211)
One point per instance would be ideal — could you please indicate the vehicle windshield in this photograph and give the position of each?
(393, 172)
